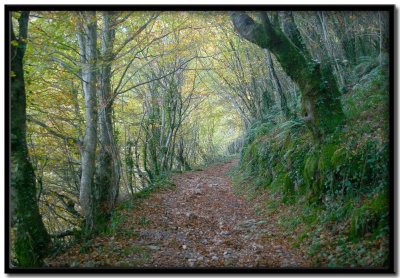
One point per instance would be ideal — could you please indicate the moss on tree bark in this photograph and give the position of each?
(32, 240)
(321, 106)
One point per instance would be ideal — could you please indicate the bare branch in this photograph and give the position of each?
(51, 131)
(134, 35)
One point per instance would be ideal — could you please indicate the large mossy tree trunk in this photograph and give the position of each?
(32, 240)
(87, 38)
(321, 106)
(108, 171)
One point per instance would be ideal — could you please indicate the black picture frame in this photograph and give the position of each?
(393, 136)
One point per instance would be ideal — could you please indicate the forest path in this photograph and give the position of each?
(198, 223)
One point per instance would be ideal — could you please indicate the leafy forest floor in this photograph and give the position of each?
(201, 221)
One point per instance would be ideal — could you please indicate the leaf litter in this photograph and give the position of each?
(200, 222)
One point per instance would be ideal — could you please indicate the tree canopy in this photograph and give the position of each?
(106, 105)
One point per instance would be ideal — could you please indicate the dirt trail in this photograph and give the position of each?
(198, 223)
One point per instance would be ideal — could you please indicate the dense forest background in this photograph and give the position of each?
(106, 105)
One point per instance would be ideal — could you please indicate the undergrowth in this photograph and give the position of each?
(333, 195)
(119, 215)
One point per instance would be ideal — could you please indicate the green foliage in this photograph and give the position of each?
(163, 181)
(185, 105)
(116, 219)
(340, 184)
(125, 205)
(269, 151)
(372, 214)
(310, 171)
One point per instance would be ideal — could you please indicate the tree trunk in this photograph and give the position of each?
(108, 172)
(87, 42)
(384, 38)
(320, 95)
(292, 32)
(129, 165)
(277, 85)
(32, 239)
(346, 36)
(329, 48)
(183, 164)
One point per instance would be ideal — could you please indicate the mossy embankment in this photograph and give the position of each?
(333, 196)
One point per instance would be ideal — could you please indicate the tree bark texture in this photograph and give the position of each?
(87, 43)
(108, 172)
(32, 240)
(277, 85)
(320, 95)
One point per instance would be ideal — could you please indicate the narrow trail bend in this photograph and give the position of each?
(198, 223)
